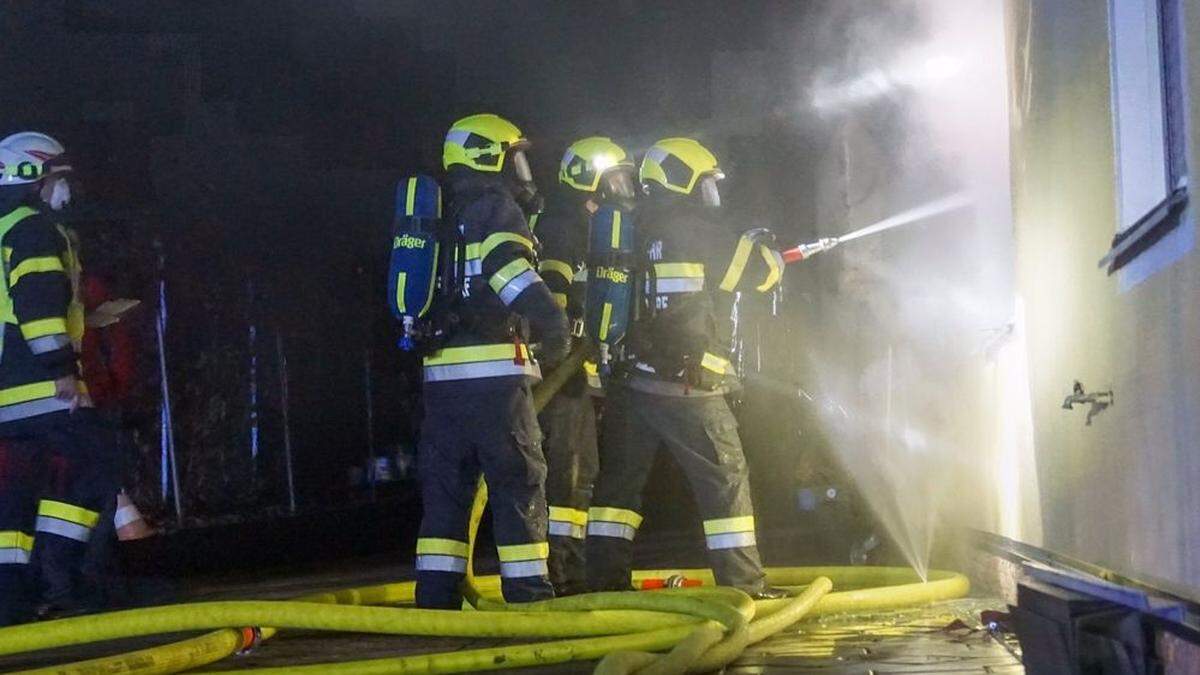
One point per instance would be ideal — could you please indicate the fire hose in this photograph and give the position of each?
(673, 630)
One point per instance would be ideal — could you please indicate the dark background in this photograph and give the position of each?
(256, 146)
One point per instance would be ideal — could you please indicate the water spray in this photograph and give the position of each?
(934, 208)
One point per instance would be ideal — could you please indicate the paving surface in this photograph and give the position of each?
(935, 639)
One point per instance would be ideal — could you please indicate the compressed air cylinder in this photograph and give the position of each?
(609, 306)
(412, 275)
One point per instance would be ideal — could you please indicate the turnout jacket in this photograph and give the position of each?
(506, 304)
(692, 267)
(43, 315)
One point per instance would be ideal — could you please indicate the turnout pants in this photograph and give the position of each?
(569, 427)
(466, 431)
(701, 433)
(57, 475)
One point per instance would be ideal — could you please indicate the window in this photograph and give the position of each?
(1148, 125)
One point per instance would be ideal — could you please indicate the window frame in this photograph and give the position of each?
(1166, 119)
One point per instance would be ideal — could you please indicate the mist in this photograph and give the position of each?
(917, 356)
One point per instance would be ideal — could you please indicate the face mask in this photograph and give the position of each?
(528, 198)
(60, 195)
(709, 194)
(617, 187)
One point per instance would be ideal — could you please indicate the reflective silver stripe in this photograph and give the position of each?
(126, 515)
(561, 528)
(525, 568)
(14, 556)
(63, 528)
(441, 563)
(48, 343)
(474, 371)
(41, 406)
(517, 285)
(678, 285)
(602, 528)
(458, 136)
(473, 268)
(644, 367)
(717, 542)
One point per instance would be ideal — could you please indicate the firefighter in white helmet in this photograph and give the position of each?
(44, 405)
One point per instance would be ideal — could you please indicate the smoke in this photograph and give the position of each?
(920, 344)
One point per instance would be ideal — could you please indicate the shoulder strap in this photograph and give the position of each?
(7, 223)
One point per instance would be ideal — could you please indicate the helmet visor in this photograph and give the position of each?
(710, 195)
(520, 165)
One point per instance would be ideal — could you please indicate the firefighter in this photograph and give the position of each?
(679, 372)
(479, 414)
(594, 172)
(44, 405)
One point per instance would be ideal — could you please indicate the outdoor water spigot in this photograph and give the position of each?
(1099, 400)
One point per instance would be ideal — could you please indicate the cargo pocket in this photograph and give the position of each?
(721, 427)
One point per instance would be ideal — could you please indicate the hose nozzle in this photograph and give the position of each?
(806, 251)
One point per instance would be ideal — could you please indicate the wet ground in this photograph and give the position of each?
(943, 638)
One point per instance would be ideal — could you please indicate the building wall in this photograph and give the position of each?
(1124, 492)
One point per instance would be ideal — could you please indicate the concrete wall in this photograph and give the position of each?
(1125, 492)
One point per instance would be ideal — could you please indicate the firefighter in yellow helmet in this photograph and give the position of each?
(679, 371)
(44, 406)
(595, 175)
(479, 415)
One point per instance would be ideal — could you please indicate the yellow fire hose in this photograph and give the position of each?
(650, 633)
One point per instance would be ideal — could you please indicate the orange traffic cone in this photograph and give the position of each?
(129, 521)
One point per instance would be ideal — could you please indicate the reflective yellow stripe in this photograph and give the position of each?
(472, 251)
(47, 263)
(519, 552)
(533, 221)
(605, 316)
(569, 515)
(401, 280)
(559, 267)
(68, 512)
(774, 269)
(728, 525)
(676, 270)
(411, 196)
(44, 327)
(499, 238)
(716, 363)
(560, 299)
(616, 228)
(509, 272)
(454, 355)
(432, 282)
(614, 515)
(8, 252)
(26, 392)
(591, 368)
(738, 265)
(433, 546)
(16, 540)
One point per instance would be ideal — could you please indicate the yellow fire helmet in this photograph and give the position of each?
(679, 164)
(481, 142)
(588, 159)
